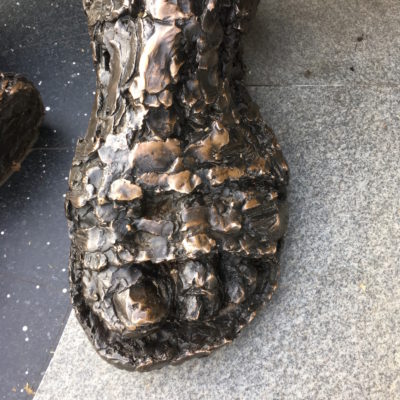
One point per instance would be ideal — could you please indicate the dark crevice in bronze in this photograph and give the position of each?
(21, 112)
(176, 201)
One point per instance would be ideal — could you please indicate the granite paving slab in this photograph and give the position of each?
(47, 41)
(34, 300)
(330, 42)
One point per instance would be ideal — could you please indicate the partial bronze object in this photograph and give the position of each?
(21, 112)
(176, 201)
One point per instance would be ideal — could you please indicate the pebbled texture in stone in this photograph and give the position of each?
(21, 112)
(176, 201)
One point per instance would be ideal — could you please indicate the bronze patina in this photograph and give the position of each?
(21, 112)
(176, 201)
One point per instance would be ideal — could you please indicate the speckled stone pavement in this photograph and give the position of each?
(47, 41)
(326, 76)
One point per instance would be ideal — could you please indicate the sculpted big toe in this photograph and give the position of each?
(176, 201)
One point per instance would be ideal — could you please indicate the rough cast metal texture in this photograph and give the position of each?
(176, 201)
(21, 112)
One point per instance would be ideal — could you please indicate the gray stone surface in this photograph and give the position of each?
(309, 42)
(332, 329)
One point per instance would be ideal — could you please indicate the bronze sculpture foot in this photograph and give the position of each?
(176, 203)
(21, 112)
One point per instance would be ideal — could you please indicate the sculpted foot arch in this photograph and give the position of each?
(176, 201)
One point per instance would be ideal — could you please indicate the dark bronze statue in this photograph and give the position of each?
(176, 201)
(21, 112)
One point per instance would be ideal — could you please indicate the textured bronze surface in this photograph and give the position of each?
(176, 201)
(21, 112)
